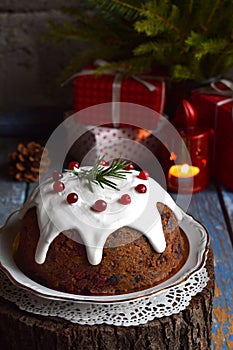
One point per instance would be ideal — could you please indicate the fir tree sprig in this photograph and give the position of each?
(100, 174)
(190, 39)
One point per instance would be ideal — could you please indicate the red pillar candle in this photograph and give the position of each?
(197, 141)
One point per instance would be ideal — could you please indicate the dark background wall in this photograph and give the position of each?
(29, 66)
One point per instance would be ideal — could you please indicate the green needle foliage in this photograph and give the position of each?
(100, 174)
(189, 39)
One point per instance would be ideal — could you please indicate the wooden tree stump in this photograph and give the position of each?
(190, 329)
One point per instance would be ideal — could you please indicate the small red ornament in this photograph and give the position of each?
(58, 186)
(100, 205)
(73, 165)
(129, 167)
(57, 175)
(72, 198)
(141, 188)
(125, 199)
(144, 175)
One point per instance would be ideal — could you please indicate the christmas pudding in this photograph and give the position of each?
(101, 230)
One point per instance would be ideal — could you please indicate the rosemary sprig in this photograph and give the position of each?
(100, 174)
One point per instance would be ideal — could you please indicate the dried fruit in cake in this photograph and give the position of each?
(100, 238)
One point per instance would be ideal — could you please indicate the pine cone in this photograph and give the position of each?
(25, 163)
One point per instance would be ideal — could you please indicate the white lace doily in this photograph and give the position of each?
(131, 313)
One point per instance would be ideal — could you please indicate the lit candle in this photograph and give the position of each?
(182, 178)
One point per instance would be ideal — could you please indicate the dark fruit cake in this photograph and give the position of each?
(86, 237)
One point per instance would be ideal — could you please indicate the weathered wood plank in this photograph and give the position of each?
(31, 188)
(227, 197)
(12, 193)
(205, 207)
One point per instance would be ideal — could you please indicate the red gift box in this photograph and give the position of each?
(90, 90)
(88, 142)
(215, 110)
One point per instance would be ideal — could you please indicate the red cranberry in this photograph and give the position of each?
(104, 163)
(100, 205)
(73, 165)
(129, 167)
(58, 186)
(72, 198)
(144, 175)
(141, 188)
(57, 175)
(125, 199)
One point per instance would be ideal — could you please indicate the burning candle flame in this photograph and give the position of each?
(183, 171)
(185, 168)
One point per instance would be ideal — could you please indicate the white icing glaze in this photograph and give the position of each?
(55, 215)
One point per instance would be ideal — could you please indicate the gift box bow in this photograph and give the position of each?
(116, 85)
(219, 118)
(221, 87)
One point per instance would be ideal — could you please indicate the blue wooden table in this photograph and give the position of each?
(213, 207)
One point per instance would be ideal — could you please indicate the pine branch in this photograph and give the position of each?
(221, 59)
(128, 67)
(100, 174)
(61, 32)
(129, 10)
(192, 38)
(216, 6)
(183, 72)
(161, 18)
(127, 5)
(153, 48)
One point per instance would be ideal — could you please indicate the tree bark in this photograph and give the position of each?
(190, 329)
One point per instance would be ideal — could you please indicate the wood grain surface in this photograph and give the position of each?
(12, 193)
(206, 208)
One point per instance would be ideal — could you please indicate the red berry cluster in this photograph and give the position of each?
(100, 205)
(141, 188)
(59, 186)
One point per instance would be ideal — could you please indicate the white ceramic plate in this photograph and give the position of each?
(196, 234)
